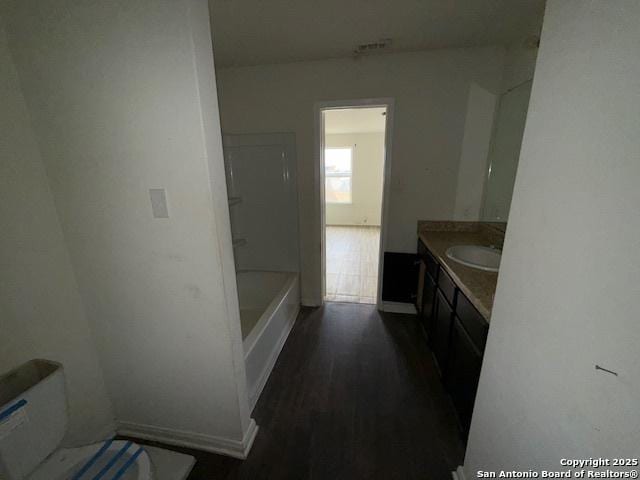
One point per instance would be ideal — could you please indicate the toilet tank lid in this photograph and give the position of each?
(16, 382)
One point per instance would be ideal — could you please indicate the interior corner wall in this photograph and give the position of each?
(520, 58)
(115, 99)
(501, 147)
(476, 142)
(567, 293)
(368, 174)
(429, 89)
(41, 313)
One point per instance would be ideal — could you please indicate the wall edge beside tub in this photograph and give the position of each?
(311, 302)
(206, 87)
(198, 441)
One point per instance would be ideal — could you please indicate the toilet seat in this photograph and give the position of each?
(109, 460)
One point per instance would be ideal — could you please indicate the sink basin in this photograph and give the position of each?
(475, 256)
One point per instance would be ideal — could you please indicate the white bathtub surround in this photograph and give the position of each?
(263, 204)
(122, 99)
(269, 306)
(262, 187)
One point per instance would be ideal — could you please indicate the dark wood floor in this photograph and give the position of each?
(354, 395)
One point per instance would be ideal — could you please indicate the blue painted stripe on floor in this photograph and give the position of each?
(13, 408)
(113, 461)
(128, 464)
(92, 460)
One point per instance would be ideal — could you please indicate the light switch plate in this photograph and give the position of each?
(159, 206)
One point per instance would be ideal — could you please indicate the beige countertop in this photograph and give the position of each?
(478, 286)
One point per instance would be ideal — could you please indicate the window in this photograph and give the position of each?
(338, 175)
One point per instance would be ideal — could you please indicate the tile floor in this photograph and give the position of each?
(352, 264)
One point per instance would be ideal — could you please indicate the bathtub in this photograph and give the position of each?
(269, 305)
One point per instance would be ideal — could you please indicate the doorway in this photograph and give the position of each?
(353, 150)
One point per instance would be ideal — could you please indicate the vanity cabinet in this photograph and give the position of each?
(439, 335)
(428, 276)
(428, 303)
(456, 334)
(473, 323)
(463, 373)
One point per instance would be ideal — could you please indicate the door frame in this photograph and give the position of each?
(319, 145)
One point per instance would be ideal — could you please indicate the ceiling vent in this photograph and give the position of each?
(373, 47)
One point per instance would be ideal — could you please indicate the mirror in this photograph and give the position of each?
(505, 151)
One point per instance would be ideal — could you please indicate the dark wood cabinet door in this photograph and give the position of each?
(428, 301)
(440, 331)
(399, 277)
(465, 362)
(474, 323)
(422, 271)
(447, 286)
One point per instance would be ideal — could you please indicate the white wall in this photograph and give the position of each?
(568, 286)
(430, 91)
(367, 165)
(41, 314)
(122, 97)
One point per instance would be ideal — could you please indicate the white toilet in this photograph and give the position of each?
(33, 421)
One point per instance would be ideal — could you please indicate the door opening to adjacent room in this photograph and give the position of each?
(352, 165)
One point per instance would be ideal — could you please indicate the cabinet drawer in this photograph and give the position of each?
(474, 323)
(447, 286)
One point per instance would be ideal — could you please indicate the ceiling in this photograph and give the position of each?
(354, 120)
(254, 32)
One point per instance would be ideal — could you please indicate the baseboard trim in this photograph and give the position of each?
(275, 353)
(357, 225)
(398, 307)
(458, 473)
(197, 441)
(249, 437)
